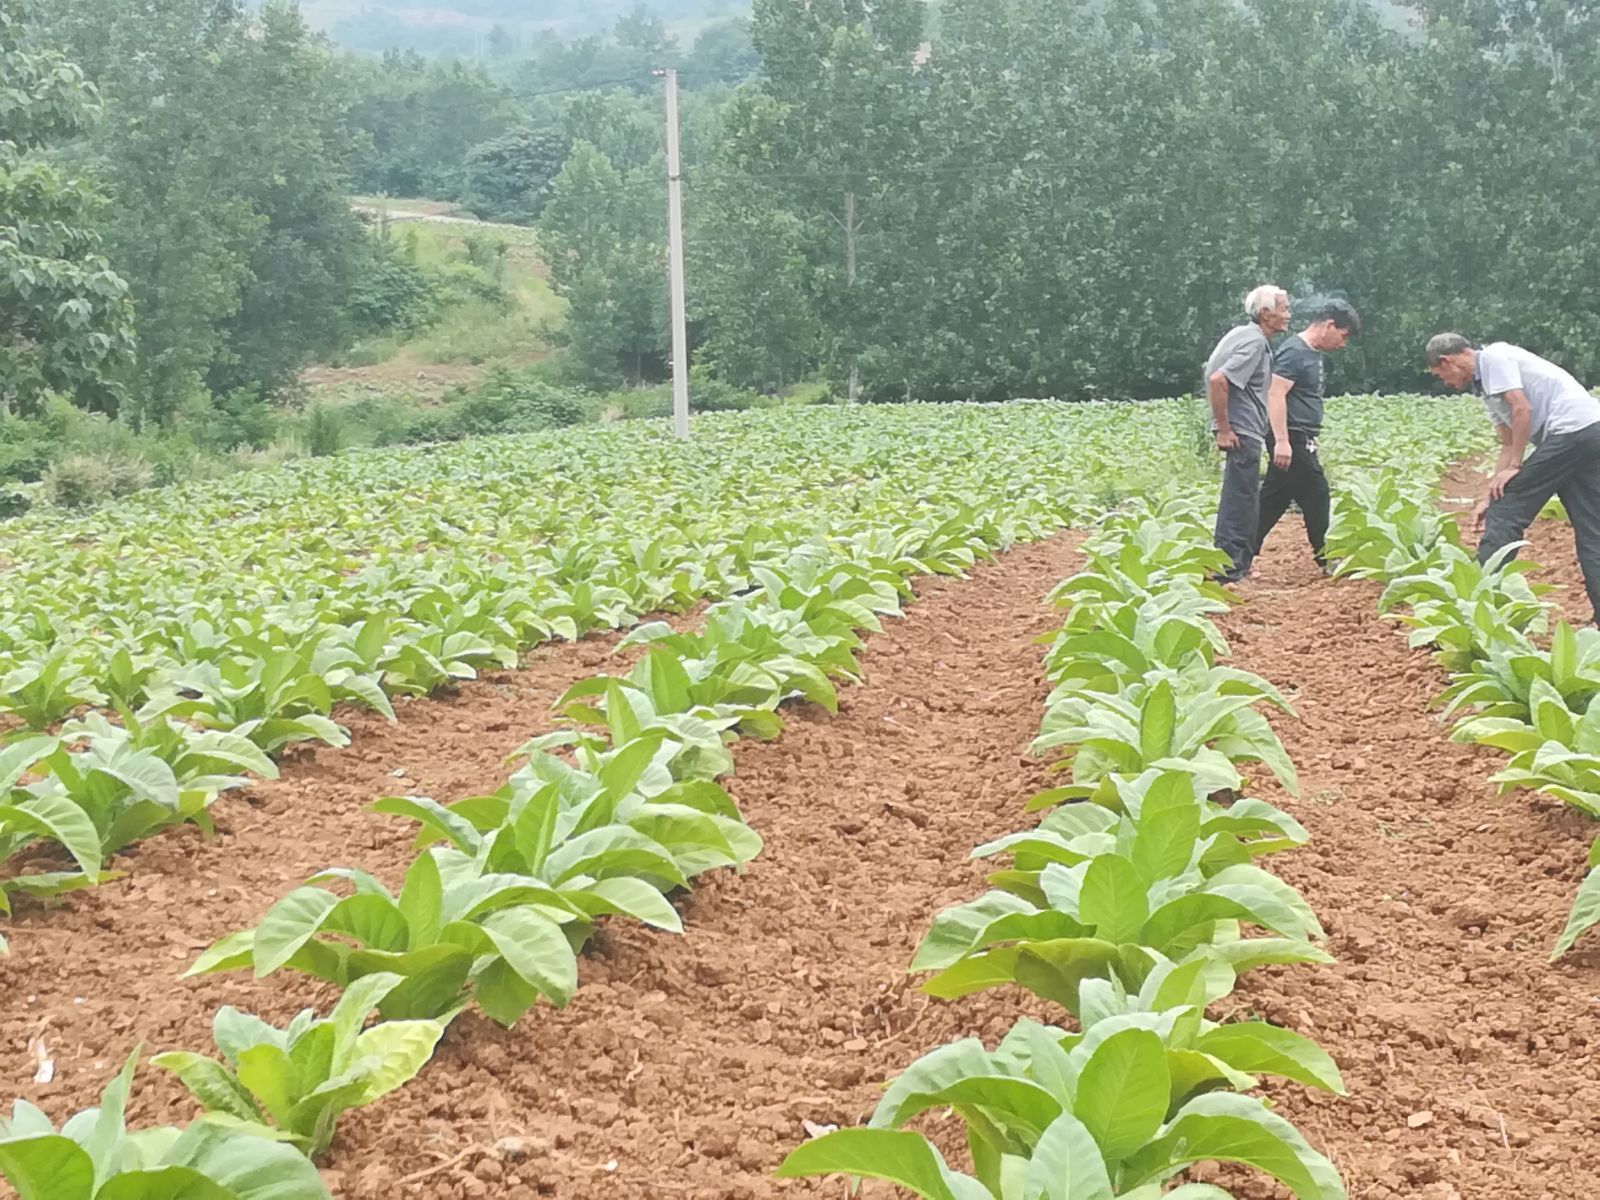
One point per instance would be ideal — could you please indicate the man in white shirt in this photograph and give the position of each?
(1532, 402)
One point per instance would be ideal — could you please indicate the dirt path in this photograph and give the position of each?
(685, 1067)
(1471, 1061)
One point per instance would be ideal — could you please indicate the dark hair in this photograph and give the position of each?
(1340, 313)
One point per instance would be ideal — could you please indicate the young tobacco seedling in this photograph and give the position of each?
(466, 933)
(300, 1079)
(1091, 1118)
(95, 1157)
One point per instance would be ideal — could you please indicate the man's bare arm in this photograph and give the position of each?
(1278, 418)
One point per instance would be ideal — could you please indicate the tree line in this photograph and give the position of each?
(1044, 199)
(991, 199)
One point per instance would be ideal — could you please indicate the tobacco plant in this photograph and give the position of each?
(94, 1156)
(297, 1081)
(453, 936)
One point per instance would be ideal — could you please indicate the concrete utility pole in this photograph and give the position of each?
(850, 230)
(680, 323)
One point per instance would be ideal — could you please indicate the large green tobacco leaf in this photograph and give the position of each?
(1228, 1128)
(47, 1167)
(1122, 1092)
(903, 1158)
(1585, 912)
(1067, 1164)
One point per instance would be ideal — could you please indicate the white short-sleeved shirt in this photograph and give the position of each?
(1559, 403)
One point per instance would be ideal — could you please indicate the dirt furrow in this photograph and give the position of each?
(97, 973)
(1471, 1061)
(688, 1066)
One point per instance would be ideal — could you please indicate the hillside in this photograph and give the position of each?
(462, 27)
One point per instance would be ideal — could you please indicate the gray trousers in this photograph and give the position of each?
(1239, 507)
(1565, 465)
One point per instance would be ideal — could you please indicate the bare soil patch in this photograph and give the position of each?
(1471, 1061)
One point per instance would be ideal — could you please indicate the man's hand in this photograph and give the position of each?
(1227, 439)
(1282, 454)
(1499, 480)
(1479, 511)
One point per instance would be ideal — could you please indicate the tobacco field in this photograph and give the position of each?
(876, 792)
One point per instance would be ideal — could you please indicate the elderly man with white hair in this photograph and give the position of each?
(1238, 377)
(1532, 402)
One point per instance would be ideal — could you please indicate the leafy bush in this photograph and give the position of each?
(80, 480)
(393, 295)
(324, 431)
(806, 394)
(709, 394)
(26, 450)
(509, 402)
(460, 283)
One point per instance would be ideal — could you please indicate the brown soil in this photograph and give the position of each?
(689, 1063)
(687, 1066)
(98, 972)
(427, 381)
(1470, 1060)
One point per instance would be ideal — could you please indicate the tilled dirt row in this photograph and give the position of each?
(1471, 1060)
(90, 977)
(689, 1066)
(685, 1066)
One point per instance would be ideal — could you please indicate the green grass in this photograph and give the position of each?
(474, 331)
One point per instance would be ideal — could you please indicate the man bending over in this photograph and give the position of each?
(1532, 402)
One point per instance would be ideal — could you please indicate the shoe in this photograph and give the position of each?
(1326, 568)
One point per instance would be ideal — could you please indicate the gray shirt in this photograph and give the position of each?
(1297, 362)
(1559, 403)
(1244, 356)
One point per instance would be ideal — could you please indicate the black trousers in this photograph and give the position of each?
(1301, 482)
(1565, 465)
(1238, 505)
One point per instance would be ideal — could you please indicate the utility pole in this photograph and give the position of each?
(850, 229)
(680, 323)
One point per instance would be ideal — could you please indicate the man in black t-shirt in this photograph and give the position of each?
(1294, 417)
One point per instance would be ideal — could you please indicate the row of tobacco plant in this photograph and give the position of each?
(1134, 904)
(606, 818)
(1506, 690)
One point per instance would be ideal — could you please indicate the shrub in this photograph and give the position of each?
(324, 431)
(80, 480)
(816, 392)
(709, 394)
(393, 295)
(508, 402)
(26, 450)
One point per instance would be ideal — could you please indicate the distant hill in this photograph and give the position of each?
(460, 27)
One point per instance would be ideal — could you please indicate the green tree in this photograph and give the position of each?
(841, 126)
(723, 53)
(416, 121)
(311, 251)
(65, 320)
(508, 178)
(222, 148)
(602, 234)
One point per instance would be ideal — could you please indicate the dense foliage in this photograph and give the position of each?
(1074, 206)
(64, 313)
